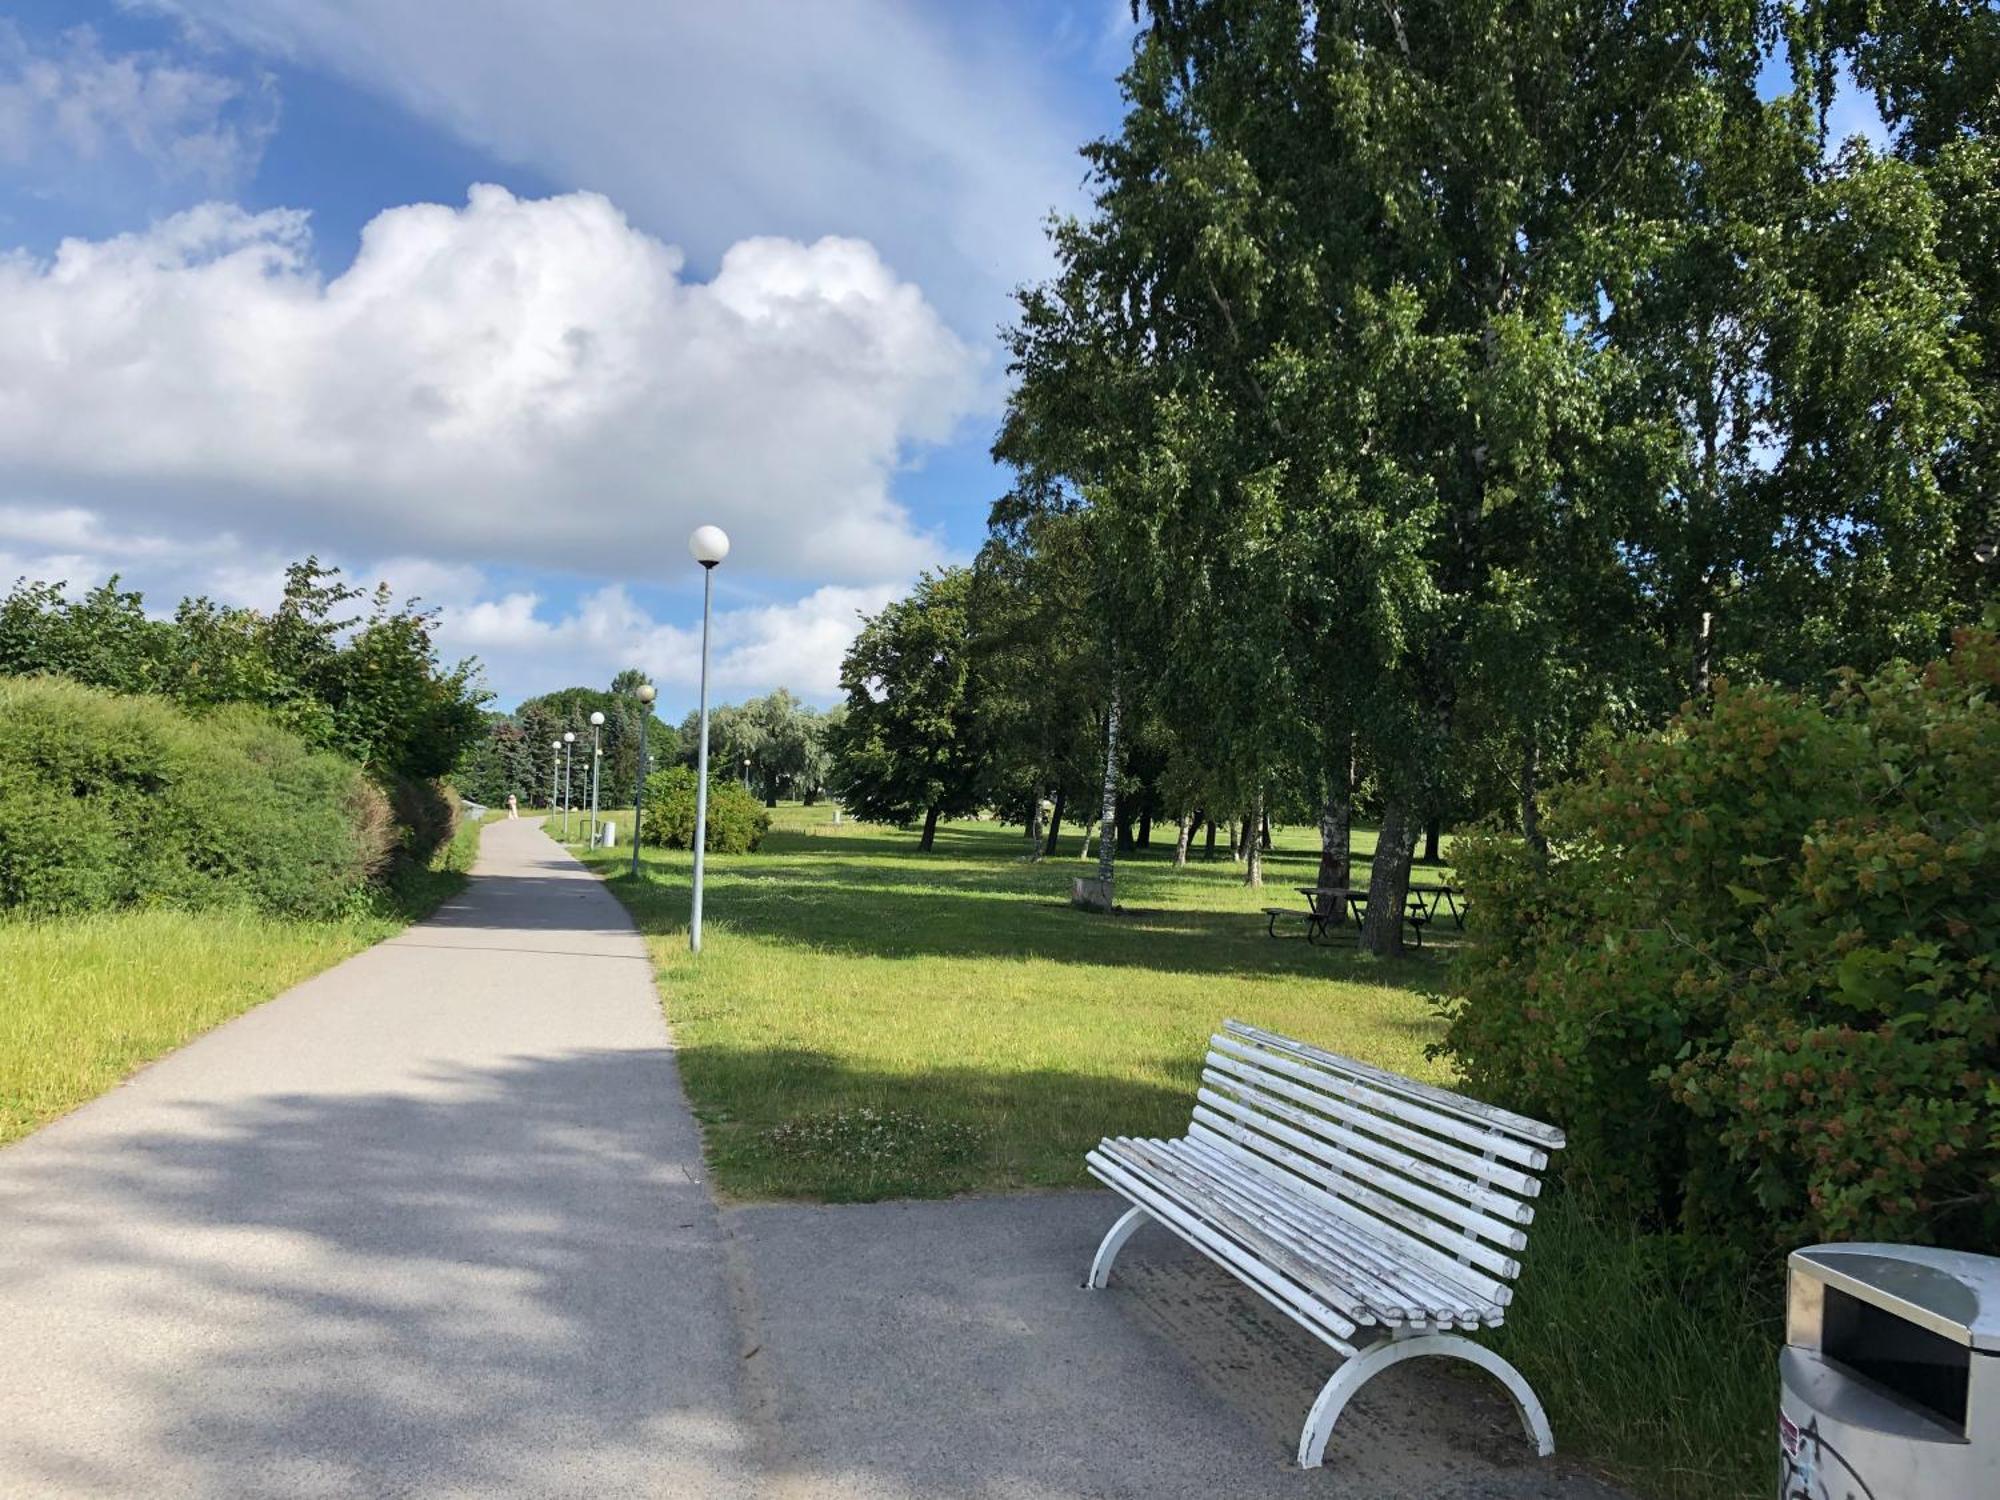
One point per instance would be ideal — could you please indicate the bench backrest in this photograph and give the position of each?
(1445, 1180)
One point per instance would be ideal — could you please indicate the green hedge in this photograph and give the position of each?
(109, 802)
(1758, 975)
(737, 823)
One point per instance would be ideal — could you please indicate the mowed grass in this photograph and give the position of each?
(866, 1021)
(869, 1021)
(90, 999)
(87, 1000)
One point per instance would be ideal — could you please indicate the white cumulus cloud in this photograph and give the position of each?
(515, 381)
(935, 132)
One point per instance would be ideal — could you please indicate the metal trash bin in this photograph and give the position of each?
(1889, 1382)
(607, 835)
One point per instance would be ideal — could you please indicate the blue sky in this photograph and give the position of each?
(495, 299)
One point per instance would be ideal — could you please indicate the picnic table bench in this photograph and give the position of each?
(1327, 907)
(1381, 1214)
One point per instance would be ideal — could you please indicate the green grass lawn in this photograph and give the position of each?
(866, 1021)
(87, 1000)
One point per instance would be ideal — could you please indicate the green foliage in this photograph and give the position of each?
(910, 746)
(779, 742)
(110, 802)
(1756, 976)
(1463, 387)
(369, 686)
(736, 824)
(520, 751)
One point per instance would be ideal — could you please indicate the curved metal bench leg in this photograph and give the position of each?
(1127, 1225)
(1376, 1358)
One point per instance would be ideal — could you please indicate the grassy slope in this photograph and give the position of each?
(90, 999)
(867, 1021)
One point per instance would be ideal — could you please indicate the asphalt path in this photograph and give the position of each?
(432, 1223)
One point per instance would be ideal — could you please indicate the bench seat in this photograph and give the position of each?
(1328, 1269)
(1382, 1214)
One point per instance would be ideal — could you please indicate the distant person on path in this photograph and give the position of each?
(513, 807)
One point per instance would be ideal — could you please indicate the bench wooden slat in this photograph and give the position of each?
(1380, 1214)
(1442, 1165)
(1460, 1199)
(1401, 1200)
(1396, 1249)
(1380, 1290)
(1245, 1220)
(1475, 1139)
(1312, 1314)
(1397, 1288)
(1443, 1100)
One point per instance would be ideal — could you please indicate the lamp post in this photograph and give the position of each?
(647, 693)
(709, 544)
(555, 774)
(596, 754)
(746, 773)
(569, 783)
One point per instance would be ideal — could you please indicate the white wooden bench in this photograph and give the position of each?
(1382, 1214)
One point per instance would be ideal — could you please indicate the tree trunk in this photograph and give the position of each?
(1145, 839)
(1089, 832)
(930, 829)
(1531, 794)
(1209, 852)
(1253, 873)
(1126, 842)
(1239, 834)
(1106, 847)
(1701, 669)
(1263, 827)
(1055, 824)
(1389, 882)
(1035, 826)
(1182, 834)
(1433, 832)
(1336, 821)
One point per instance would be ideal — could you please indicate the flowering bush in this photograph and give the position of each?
(1756, 976)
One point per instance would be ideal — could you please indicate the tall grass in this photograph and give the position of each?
(1653, 1355)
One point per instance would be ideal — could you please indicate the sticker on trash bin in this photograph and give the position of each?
(1796, 1482)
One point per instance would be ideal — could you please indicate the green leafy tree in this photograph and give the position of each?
(909, 748)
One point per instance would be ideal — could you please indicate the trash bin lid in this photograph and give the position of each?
(1953, 1293)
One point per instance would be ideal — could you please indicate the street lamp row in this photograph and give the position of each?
(710, 545)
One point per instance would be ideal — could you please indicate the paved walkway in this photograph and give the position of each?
(430, 1224)
(433, 1224)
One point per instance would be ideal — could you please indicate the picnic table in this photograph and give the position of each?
(1441, 893)
(1327, 906)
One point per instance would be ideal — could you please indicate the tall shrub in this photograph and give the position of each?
(736, 824)
(1756, 975)
(110, 801)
